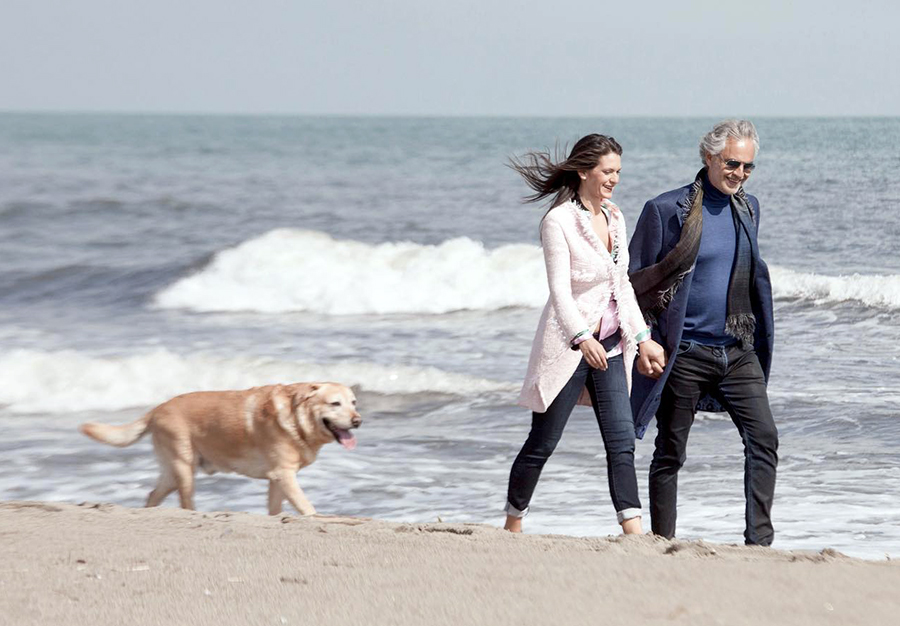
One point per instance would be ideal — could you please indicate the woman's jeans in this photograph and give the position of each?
(609, 397)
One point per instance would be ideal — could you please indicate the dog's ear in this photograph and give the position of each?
(302, 393)
(278, 407)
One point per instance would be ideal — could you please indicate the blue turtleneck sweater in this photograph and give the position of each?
(707, 305)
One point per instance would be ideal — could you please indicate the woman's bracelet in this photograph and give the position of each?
(642, 336)
(582, 336)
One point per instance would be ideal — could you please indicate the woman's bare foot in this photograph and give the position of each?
(513, 524)
(632, 526)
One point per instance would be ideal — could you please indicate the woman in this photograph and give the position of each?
(591, 327)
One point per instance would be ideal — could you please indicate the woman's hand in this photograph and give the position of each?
(651, 359)
(593, 353)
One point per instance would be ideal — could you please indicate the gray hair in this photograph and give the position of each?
(713, 142)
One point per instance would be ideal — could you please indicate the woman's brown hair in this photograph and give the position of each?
(560, 179)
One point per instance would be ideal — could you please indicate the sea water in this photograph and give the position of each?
(146, 256)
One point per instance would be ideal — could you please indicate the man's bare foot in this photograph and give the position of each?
(632, 526)
(513, 524)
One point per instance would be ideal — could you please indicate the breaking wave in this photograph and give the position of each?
(289, 270)
(871, 290)
(65, 381)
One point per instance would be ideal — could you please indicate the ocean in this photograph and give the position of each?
(147, 256)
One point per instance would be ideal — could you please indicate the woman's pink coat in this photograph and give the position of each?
(582, 278)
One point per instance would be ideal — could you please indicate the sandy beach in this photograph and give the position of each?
(104, 564)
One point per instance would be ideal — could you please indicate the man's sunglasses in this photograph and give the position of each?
(732, 164)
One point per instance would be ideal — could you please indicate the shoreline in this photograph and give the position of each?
(106, 564)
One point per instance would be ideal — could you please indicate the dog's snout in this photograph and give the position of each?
(356, 421)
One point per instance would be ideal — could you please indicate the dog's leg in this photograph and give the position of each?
(166, 482)
(184, 476)
(287, 482)
(164, 486)
(276, 497)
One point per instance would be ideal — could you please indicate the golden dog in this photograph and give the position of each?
(265, 432)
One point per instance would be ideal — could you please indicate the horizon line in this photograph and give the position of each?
(136, 113)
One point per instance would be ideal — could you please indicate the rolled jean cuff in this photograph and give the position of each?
(514, 512)
(627, 514)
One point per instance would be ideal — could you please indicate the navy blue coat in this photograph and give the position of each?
(658, 230)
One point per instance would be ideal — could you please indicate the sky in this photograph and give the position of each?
(459, 58)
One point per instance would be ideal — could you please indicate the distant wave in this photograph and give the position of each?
(871, 290)
(61, 382)
(288, 270)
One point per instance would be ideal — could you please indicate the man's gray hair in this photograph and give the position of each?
(713, 142)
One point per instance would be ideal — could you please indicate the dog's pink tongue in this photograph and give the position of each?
(346, 439)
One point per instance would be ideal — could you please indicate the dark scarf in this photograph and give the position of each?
(655, 285)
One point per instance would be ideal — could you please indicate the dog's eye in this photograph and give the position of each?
(336, 403)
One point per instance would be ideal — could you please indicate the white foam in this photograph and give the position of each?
(288, 270)
(867, 289)
(67, 381)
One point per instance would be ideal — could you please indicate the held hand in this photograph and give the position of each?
(593, 353)
(651, 359)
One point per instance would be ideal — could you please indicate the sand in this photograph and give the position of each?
(96, 564)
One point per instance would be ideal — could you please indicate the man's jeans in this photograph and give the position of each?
(609, 396)
(734, 377)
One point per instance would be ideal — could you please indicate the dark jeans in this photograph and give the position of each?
(609, 396)
(734, 377)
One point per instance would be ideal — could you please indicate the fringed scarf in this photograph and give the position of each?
(655, 285)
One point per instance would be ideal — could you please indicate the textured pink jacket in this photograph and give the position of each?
(582, 279)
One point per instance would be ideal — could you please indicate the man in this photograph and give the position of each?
(698, 276)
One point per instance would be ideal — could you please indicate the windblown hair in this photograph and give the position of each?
(713, 142)
(557, 177)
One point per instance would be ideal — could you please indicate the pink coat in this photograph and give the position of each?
(582, 278)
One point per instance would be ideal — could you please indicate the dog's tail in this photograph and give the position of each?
(120, 436)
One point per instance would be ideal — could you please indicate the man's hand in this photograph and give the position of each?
(651, 359)
(593, 353)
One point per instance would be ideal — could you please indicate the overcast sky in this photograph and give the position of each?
(460, 57)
